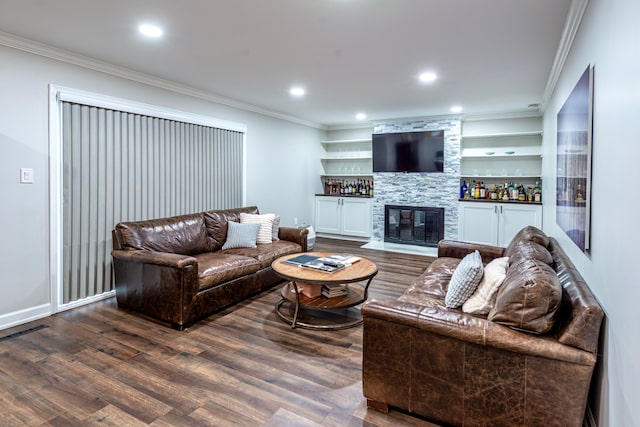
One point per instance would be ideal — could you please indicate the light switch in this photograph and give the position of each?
(26, 175)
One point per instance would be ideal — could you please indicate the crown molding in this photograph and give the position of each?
(418, 118)
(499, 116)
(68, 57)
(571, 26)
(347, 126)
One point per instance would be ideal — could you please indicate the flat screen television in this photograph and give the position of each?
(421, 151)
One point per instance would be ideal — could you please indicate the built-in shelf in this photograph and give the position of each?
(501, 177)
(347, 158)
(499, 151)
(502, 134)
(347, 175)
(347, 141)
(523, 151)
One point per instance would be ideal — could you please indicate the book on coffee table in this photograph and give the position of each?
(330, 290)
(301, 259)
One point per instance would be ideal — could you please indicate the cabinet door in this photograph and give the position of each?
(328, 210)
(515, 217)
(356, 217)
(478, 222)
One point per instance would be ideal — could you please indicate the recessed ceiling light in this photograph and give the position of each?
(361, 116)
(456, 109)
(150, 30)
(296, 91)
(427, 77)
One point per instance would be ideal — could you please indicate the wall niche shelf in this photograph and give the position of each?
(512, 155)
(347, 158)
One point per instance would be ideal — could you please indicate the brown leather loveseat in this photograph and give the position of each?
(528, 362)
(174, 270)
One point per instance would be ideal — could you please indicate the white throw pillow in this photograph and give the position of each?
(464, 280)
(484, 298)
(266, 225)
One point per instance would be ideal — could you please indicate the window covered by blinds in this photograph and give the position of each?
(120, 166)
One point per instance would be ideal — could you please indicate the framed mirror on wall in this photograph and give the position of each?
(573, 173)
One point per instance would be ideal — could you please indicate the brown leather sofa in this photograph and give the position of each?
(173, 269)
(466, 370)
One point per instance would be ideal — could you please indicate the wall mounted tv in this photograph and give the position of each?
(408, 151)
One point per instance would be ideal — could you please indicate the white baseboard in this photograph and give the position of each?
(30, 314)
(19, 317)
(401, 248)
(85, 301)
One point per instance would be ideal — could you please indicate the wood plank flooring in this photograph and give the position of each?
(100, 365)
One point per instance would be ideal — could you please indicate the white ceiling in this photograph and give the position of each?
(491, 56)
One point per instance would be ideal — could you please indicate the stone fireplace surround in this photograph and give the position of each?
(421, 189)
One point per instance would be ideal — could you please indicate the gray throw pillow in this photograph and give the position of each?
(464, 280)
(276, 228)
(241, 235)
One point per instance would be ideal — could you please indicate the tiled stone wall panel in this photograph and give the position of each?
(438, 190)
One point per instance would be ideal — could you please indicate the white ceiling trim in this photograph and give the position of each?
(51, 52)
(574, 18)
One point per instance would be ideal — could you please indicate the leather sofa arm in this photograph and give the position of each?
(295, 235)
(461, 326)
(158, 284)
(454, 249)
(158, 258)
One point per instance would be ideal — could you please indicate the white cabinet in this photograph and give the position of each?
(495, 223)
(347, 216)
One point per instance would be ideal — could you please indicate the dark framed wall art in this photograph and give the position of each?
(574, 142)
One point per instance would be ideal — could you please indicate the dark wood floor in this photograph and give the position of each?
(243, 366)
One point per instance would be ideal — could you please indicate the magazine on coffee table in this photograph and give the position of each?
(327, 264)
(323, 264)
(343, 259)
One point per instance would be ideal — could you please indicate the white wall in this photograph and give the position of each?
(282, 165)
(608, 39)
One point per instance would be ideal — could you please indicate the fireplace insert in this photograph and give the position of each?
(413, 225)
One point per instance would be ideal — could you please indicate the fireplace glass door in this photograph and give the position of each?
(422, 226)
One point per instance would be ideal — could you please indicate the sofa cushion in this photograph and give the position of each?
(527, 249)
(464, 280)
(265, 232)
(529, 234)
(484, 297)
(266, 254)
(216, 268)
(216, 223)
(184, 234)
(529, 297)
(241, 235)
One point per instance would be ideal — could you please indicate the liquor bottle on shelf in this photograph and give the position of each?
(537, 194)
(483, 190)
(505, 192)
(463, 189)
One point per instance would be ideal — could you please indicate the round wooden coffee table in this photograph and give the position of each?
(291, 298)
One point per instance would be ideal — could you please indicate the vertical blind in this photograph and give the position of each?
(120, 166)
